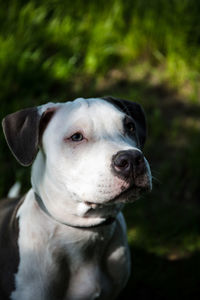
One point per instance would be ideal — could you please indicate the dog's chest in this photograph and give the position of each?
(73, 271)
(59, 264)
(88, 279)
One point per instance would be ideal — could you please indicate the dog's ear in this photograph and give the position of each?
(136, 112)
(22, 131)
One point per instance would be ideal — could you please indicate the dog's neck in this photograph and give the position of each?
(107, 221)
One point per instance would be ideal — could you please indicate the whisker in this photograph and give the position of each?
(156, 179)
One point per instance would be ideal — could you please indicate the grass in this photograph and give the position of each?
(44, 45)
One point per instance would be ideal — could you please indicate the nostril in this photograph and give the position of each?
(121, 162)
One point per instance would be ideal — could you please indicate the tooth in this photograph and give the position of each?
(93, 205)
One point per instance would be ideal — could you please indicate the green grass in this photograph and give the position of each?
(45, 44)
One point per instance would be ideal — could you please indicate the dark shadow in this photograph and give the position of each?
(159, 279)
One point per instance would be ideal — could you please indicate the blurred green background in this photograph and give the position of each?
(146, 51)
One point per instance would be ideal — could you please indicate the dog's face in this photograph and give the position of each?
(90, 155)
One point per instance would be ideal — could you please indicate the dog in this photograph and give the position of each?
(66, 238)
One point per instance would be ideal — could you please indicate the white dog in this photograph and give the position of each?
(66, 238)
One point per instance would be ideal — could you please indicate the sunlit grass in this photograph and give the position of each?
(55, 41)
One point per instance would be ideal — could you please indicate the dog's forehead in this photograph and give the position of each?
(91, 106)
(92, 110)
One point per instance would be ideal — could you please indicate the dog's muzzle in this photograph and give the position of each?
(130, 166)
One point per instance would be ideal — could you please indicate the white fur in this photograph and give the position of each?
(14, 190)
(75, 182)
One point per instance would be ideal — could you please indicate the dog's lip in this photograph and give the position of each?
(117, 199)
(125, 193)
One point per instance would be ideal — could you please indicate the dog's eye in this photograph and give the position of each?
(130, 126)
(77, 137)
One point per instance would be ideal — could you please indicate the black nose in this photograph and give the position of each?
(129, 163)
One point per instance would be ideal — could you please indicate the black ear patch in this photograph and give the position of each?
(22, 133)
(136, 112)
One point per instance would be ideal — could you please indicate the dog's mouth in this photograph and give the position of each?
(130, 194)
(109, 208)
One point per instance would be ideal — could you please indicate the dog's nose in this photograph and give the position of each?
(128, 163)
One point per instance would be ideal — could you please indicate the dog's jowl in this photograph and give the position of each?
(66, 238)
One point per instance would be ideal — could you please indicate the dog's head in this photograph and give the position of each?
(90, 156)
